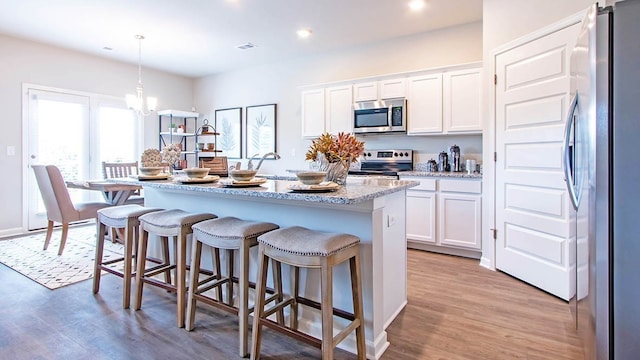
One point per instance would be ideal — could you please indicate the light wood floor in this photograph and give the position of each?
(456, 310)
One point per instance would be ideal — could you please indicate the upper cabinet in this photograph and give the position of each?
(438, 102)
(380, 90)
(312, 113)
(327, 110)
(462, 101)
(393, 88)
(339, 109)
(445, 103)
(424, 113)
(365, 91)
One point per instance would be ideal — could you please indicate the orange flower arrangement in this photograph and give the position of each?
(334, 154)
(335, 148)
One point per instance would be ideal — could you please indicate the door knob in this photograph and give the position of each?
(33, 156)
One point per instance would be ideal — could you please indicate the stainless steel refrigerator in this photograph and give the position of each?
(602, 169)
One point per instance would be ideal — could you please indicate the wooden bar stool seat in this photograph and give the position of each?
(301, 247)
(231, 234)
(127, 217)
(173, 223)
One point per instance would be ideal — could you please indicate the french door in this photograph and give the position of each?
(58, 133)
(75, 132)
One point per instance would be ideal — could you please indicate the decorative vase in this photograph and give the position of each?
(336, 171)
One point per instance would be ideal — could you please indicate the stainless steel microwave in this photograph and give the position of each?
(385, 116)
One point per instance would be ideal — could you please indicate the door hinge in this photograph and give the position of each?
(495, 156)
(495, 233)
(495, 79)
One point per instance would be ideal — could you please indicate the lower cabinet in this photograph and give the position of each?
(444, 215)
(421, 220)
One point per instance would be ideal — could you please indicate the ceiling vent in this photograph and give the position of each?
(246, 46)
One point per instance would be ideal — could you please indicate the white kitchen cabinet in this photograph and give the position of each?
(421, 214)
(445, 103)
(339, 109)
(312, 113)
(327, 110)
(367, 91)
(424, 113)
(462, 101)
(459, 220)
(459, 213)
(444, 215)
(393, 88)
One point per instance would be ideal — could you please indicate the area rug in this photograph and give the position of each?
(25, 255)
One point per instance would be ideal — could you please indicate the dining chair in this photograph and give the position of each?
(58, 203)
(120, 170)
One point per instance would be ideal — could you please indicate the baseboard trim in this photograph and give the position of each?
(444, 250)
(18, 232)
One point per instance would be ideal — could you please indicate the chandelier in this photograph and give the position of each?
(136, 102)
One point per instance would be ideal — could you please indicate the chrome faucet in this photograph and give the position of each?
(250, 164)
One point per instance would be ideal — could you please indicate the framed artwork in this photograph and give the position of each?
(261, 129)
(229, 125)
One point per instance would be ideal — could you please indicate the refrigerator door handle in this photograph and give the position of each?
(568, 176)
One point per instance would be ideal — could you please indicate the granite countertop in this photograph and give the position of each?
(441, 174)
(357, 190)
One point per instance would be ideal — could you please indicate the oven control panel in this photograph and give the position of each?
(399, 155)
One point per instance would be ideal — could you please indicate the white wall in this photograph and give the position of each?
(505, 21)
(280, 83)
(30, 62)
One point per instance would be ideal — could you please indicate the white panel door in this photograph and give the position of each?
(533, 216)
(339, 109)
(312, 110)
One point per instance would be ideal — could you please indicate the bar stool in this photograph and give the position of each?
(124, 216)
(174, 223)
(301, 247)
(232, 234)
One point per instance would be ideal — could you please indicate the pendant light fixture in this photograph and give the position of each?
(137, 102)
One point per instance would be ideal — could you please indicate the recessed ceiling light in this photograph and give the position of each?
(304, 33)
(417, 5)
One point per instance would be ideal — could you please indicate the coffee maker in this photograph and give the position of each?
(455, 158)
(443, 161)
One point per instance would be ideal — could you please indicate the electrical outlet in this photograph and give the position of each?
(293, 152)
(11, 150)
(391, 220)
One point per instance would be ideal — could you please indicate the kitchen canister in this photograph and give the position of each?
(470, 166)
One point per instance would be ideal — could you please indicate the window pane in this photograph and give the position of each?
(117, 134)
(61, 140)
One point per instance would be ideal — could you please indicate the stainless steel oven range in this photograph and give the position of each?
(384, 163)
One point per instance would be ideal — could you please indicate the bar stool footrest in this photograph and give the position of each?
(157, 270)
(278, 307)
(316, 305)
(308, 339)
(160, 284)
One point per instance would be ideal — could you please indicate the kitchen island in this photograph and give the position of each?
(372, 209)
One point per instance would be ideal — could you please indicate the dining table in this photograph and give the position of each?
(115, 194)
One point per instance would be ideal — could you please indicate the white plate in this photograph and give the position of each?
(161, 176)
(256, 181)
(206, 179)
(322, 187)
